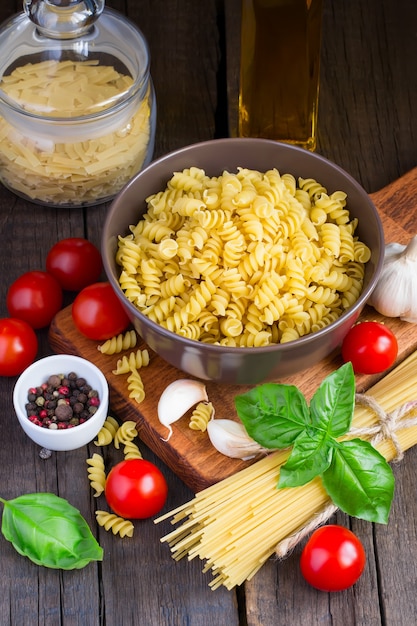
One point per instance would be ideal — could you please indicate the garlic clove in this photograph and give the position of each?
(410, 251)
(178, 398)
(231, 439)
(409, 308)
(395, 294)
(393, 250)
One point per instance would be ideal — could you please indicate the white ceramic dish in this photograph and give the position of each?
(38, 373)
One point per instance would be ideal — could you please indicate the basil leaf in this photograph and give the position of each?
(360, 481)
(49, 531)
(273, 414)
(333, 403)
(311, 456)
(356, 476)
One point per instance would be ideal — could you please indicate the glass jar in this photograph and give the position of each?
(77, 104)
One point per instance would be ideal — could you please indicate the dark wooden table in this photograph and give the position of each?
(367, 125)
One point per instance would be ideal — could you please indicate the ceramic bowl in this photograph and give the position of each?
(231, 364)
(38, 373)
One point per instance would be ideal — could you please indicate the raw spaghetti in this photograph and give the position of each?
(240, 522)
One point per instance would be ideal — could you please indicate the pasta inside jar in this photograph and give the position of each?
(71, 139)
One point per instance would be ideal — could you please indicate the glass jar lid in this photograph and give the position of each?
(70, 59)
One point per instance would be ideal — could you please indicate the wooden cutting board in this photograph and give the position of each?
(189, 453)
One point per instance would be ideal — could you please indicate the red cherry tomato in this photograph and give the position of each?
(135, 489)
(333, 558)
(18, 346)
(98, 313)
(371, 347)
(75, 262)
(34, 297)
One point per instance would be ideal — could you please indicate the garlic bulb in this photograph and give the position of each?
(231, 439)
(177, 399)
(395, 294)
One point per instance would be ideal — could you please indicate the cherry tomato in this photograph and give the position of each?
(75, 262)
(371, 347)
(34, 297)
(333, 558)
(135, 489)
(98, 313)
(18, 346)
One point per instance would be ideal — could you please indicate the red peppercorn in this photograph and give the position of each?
(94, 401)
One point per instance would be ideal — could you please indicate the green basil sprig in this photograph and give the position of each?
(355, 475)
(49, 531)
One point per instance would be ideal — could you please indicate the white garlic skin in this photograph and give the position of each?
(395, 294)
(231, 439)
(178, 398)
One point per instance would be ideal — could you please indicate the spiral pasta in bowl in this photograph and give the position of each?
(243, 260)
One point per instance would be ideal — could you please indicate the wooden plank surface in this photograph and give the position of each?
(189, 453)
(367, 124)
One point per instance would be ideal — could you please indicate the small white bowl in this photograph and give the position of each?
(38, 373)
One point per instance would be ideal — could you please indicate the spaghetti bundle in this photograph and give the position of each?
(239, 523)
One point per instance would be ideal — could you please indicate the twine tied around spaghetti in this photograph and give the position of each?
(385, 428)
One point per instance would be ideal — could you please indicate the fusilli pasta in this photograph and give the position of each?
(125, 433)
(107, 431)
(96, 474)
(119, 343)
(118, 525)
(246, 257)
(200, 416)
(135, 386)
(135, 360)
(131, 451)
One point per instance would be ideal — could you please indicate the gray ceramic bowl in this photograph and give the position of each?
(242, 365)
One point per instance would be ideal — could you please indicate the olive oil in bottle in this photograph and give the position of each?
(279, 70)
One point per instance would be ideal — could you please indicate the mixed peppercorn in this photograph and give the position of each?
(62, 402)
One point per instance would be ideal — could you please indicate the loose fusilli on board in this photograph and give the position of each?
(135, 386)
(130, 365)
(119, 343)
(135, 360)
(243, 259)
(200, 416)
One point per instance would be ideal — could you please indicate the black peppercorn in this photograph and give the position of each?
(63, 412)
(62, 402)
